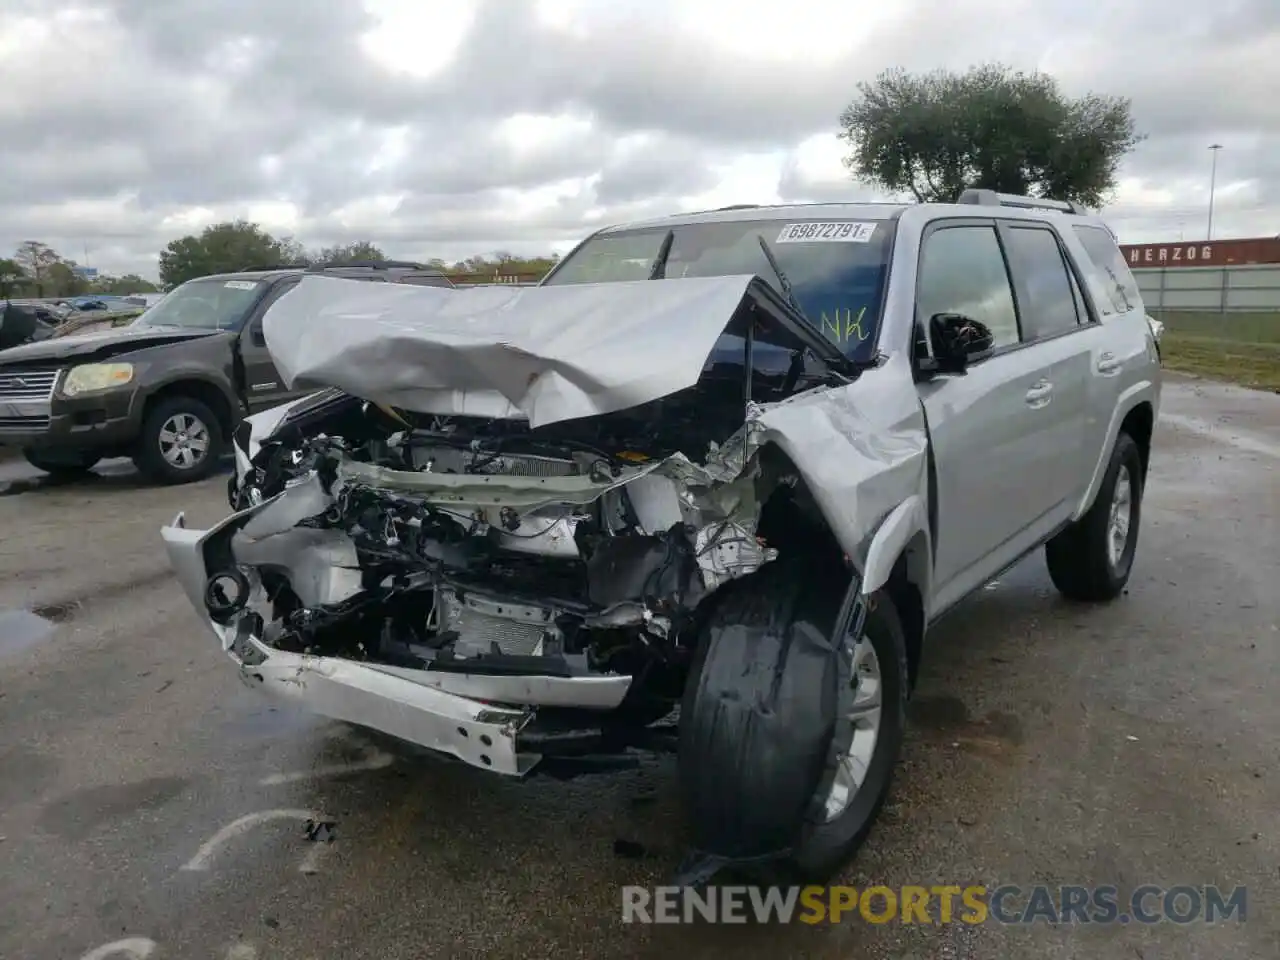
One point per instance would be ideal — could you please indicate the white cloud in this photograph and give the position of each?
(454, 129)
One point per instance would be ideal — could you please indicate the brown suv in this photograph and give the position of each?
(169, 388)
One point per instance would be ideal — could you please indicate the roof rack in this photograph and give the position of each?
(990, 198)
(255, 268)
(368, 265)
(739, 206)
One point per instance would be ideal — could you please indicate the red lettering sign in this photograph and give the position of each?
(1186, 254)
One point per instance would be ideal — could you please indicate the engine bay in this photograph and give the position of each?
(485, 547)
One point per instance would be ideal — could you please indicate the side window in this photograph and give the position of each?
(1036, 261)
(962, 271)
(255, 324)
(1113, 273)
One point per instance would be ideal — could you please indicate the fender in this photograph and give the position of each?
(904, 522)
(1145, 390)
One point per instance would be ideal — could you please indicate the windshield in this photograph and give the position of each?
(836, 269)
(204, 305)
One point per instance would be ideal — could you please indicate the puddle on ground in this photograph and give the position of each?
(20, 629)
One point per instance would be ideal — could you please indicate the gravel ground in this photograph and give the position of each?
(148, 800)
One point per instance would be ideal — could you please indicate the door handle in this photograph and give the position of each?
(1039, 394)
(1108, 364)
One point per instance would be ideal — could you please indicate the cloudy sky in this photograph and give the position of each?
(455, 127)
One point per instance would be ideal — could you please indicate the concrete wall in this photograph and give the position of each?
(1211, 289)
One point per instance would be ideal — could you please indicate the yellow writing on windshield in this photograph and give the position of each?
(845, 326)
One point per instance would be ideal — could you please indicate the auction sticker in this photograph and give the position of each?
(845, 231)
(241, 284)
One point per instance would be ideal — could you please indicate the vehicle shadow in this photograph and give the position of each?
(111, 475)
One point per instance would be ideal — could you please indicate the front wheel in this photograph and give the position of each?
(1091, 560)
(791, 726)
(181, 442)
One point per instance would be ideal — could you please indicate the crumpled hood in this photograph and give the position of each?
(102, 344)
(546, 353)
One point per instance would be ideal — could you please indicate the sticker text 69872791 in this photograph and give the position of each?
(845, 231)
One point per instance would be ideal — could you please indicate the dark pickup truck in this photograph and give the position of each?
(168, 389)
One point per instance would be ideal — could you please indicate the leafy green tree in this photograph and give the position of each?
(225, 248)
(35, 260)
(935, 134)
(122, 286)
(503, 264)
(11, 277)
(62, 280)
(348, 253)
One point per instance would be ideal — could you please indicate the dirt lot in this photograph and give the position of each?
(148, 800)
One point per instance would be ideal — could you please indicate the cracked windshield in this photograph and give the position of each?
(836, 270)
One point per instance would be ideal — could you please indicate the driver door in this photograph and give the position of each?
(983, 423)
(263, 386)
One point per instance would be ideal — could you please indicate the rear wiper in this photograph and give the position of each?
(783, 282)
(658, 269)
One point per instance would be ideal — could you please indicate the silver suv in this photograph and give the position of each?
(726, 467)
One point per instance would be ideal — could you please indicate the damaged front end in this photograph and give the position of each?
(494, 590)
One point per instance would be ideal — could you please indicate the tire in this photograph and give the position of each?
(62, 463)
(1082, 562)
(155, 457)
(759, 724)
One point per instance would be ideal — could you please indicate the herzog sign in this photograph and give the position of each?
(1160, 254)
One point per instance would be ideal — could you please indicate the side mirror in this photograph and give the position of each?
(958, 341)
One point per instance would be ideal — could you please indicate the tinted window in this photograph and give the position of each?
(836, 271)
(963, 271)
(1113, 272)
(1036, 261)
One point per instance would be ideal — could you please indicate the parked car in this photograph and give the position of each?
(734, 462)
(25, 323)
(167, 389)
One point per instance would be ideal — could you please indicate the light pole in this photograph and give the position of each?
(1213, 177)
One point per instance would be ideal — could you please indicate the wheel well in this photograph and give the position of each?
(1138, 424)
(791, 521)
(201, 390)
(906, 588)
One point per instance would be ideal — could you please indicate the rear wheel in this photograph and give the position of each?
(62, 463)
(1091, 560)
(181, 442)
(791, 726)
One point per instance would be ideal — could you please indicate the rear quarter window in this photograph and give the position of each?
(1108, 266)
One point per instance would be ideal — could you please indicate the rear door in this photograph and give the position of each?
(1121, 360)
(1055, 333)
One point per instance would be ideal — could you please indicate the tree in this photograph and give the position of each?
(10, 276)
(348, 253)
(35, 260)
(225, 248)
(62, 280)
(122, 286)
(935, 134)
(501, 263)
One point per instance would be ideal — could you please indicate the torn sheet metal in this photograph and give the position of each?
(862, 449)
(543, 353)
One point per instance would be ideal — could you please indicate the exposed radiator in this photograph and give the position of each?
(481, 622)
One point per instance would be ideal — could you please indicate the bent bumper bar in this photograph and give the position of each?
(478, 725)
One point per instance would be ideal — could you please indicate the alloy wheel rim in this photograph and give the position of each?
(862, 716)
(184, 441)
(1119, 518)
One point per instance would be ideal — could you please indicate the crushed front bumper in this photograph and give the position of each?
(479, 726)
